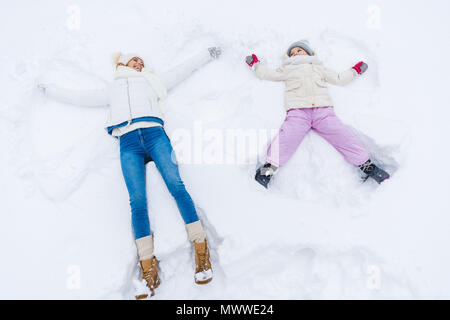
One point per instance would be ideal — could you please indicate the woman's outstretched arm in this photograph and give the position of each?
(171, 78)
(86, 98)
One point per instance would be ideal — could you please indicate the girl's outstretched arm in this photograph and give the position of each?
(266, 73)
(171, 78)
(339, 78)
(86, 98)
(263, 72)
(344, 77)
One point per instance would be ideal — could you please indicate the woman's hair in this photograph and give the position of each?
(118, 58)
(119, 64)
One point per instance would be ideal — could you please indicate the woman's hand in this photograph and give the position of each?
(42, 87)
(360, 67)
(215, 52)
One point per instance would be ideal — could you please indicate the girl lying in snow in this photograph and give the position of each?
(309, 107)
(135, 118)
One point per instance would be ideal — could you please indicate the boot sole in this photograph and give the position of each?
(262, 183)
(145, 296)
(203, 281)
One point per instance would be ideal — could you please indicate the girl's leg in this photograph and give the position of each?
(159, 148)
(328, 125)
(292, 131)
(133, 159)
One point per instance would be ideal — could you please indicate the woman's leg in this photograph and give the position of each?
(158, 145)
(133, 159)
(159, 148)
(328, 125)
(292, 131)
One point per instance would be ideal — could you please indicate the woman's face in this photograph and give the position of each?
(297, 51)
(136, 63)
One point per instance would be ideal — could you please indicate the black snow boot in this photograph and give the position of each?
(372, 171)
(264, 174)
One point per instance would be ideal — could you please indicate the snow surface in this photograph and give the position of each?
(319, 233)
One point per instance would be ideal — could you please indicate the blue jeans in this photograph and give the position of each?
(137, 148)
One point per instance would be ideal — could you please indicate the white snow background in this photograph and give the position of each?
(318, 233)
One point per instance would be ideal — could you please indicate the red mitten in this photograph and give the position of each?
(251, 60)
(360, 67)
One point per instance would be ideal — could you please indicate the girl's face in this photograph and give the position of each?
(136, 63)
(297, 51)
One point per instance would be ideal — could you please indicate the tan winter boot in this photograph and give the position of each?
(203, 270)
(149, 269)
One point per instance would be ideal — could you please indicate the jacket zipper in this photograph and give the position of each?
(129, 103)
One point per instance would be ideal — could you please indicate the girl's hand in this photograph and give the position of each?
(360, 67)
(251, 60)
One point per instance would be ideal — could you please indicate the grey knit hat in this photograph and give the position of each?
(304, 44)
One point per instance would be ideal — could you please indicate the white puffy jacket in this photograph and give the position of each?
(130, 96)
(306, 80)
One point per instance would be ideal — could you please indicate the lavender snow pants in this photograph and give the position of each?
(323, 121)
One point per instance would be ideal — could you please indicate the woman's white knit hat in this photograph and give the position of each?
(119, 57)
(304, 44)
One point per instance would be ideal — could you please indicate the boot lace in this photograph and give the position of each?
(268, 170)
(201, 254)
(148, 275)
(367, 167)
(202, 261)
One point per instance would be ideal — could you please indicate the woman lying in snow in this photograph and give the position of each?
(135, 118)
(309, 107)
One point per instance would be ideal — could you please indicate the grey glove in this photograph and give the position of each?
(360, 67)
(364, 67)
(215, 52)
(252, 61)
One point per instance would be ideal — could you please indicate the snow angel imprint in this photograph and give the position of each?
(134, 98)
(308, 106)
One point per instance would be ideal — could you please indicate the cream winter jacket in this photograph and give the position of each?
(132, 96)
(306, 81)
